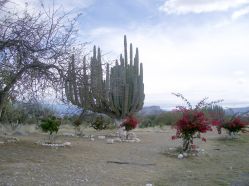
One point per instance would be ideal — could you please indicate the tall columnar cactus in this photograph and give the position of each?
(119, 94)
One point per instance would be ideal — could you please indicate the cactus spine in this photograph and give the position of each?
(119, 94)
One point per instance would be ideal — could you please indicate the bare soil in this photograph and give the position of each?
(24, 163)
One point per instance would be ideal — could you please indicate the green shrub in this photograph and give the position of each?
(50, 124)
(101, 122)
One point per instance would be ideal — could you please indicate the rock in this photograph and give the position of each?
(148, 184)
(172, 148)
(53, 144)
(185, 154)
(91, 136)
(67, 143)
(137, 140)
(117, 140)
(91, 139)
(68, 134)
(180, 156)
(109, 141)
(11, 140)
(131, 135)
(122, 133)
(1, 142)
(101, 137)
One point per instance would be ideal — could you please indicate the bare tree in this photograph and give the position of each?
(33, 49)
(2, 3)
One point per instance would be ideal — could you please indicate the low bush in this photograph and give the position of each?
(101, 122)
(130, 122)
(50, 125)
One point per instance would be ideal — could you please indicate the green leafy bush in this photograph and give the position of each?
(50, 124)
(101, 122)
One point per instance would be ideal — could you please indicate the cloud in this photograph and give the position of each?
(241, 12)
(200, 6)
(196, 61)
(35, 5)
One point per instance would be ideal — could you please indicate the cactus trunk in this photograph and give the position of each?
(119, 94)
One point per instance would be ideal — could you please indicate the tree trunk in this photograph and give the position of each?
(186, 145)
(3, 98)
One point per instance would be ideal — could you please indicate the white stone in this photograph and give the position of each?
(67, 143)
(68, 134)
(148, 184)
(101, 137)
(202, 150)
(92, 139)
(117, 140)
(137, 140)
(131, 135)
(122, 133)
(110, 141)
(53, 144)
(130, 141)
(185, 154)
(1, 142)
(180, 156)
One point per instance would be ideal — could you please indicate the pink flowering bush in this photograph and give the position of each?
(234, 125)
(192, 123)
(130, 122)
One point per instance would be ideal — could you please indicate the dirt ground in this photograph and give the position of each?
(24, 163)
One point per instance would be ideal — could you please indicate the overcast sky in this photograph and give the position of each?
(199, 48)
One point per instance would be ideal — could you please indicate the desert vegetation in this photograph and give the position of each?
(40, 53)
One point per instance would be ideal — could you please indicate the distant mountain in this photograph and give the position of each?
(151, 110)
(63, 109)
(231, 111)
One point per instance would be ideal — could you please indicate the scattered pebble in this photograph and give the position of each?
(180, 156)
(172, 148)
(110, 141)
(67, 143)
(130, 141)
(101, 137)
(148, 184)
(91, 139)
(53, 144)
(68, 134)
(137, 140)
(117, 140)
(185, 154)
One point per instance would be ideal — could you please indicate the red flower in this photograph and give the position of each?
(173, 137)
(232, 125)
(203, 139)
(215, 123)
(129, 123)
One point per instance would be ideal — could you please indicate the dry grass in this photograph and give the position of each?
(224, 162)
